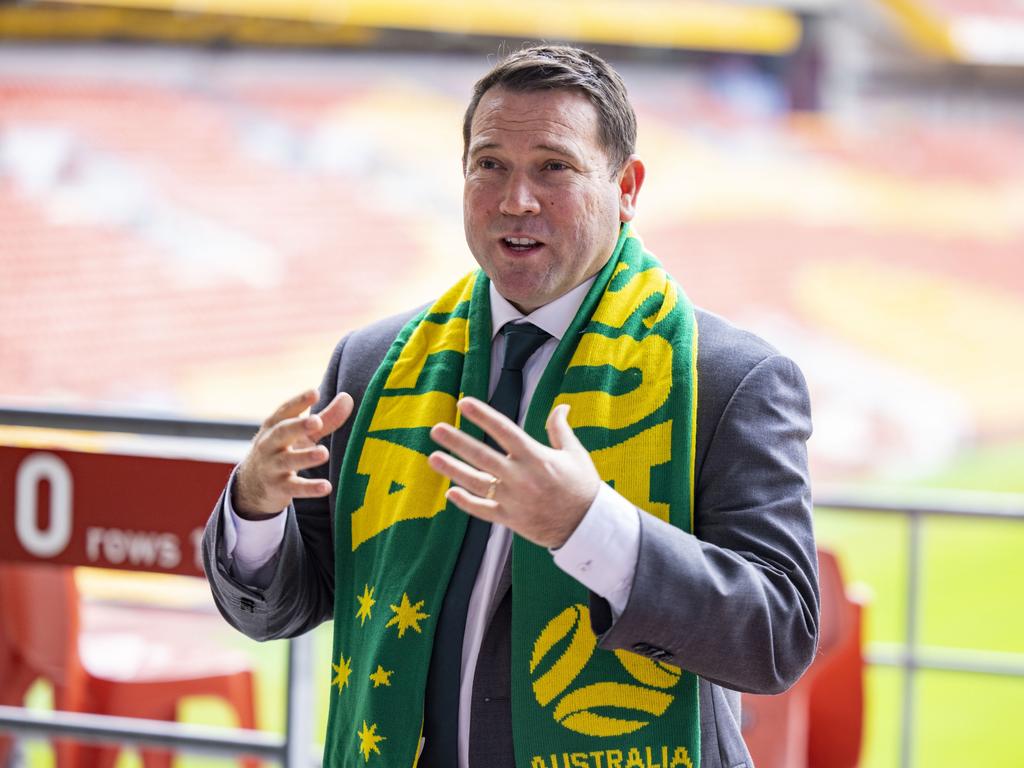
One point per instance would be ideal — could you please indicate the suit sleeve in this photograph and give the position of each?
(737, 602)
(300, 595)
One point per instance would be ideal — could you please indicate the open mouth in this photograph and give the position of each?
(521, 244)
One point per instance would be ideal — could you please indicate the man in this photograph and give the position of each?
(583, 572)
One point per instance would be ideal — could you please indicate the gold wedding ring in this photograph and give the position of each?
(492, 489)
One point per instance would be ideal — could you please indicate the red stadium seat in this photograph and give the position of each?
(818, 723)
(837, 689)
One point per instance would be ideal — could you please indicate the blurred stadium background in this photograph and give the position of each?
(197, 198)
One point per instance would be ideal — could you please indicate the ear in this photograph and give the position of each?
(630, 179)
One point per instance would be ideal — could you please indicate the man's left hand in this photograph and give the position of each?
(541, 493)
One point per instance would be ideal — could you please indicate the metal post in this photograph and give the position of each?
(298, 735)
(911, 651)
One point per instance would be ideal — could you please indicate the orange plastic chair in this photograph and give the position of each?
(818, 723)
(776, 728)
(837, 692)
(109, 660)
(30, 654)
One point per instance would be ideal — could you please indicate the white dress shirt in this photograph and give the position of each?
(601, 553)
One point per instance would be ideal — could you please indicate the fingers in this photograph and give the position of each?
(267, 478)
(473, 451)
(485, 509)
(560, 434)
(284, 434)
(289, 431)
(502, 429)
(334, 415)
(302, 488)
(460, 473)
(305, 458)
(292, 408)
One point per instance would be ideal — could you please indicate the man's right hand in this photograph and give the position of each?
(267, 479)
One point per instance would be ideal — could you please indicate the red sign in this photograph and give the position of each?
(137, 513)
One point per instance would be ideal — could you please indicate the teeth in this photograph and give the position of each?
(520, 241)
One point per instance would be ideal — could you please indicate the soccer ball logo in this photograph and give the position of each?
(599, 709)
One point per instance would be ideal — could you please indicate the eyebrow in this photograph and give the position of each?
(480, 147)
(563, 150)
(558, 150)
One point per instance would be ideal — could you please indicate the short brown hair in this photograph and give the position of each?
(542, 67)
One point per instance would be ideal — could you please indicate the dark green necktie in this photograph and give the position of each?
(441, 707)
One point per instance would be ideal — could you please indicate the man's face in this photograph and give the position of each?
(541, 204)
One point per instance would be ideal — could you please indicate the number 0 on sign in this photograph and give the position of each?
(32, 472)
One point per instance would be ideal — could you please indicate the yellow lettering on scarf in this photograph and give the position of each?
(669, 303)
(612, 758)
(428, 339)
(406, 411)
(629, 465)
(402, 486)
(652, 356)
(616, 307)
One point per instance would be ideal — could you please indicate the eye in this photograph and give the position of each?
(487, 164)
(556, 165)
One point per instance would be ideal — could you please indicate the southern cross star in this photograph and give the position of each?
(368, 740)
(366, 602)
(382, 676)
(342, 672)
(407, 615)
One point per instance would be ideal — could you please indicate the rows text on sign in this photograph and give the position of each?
(44, 524)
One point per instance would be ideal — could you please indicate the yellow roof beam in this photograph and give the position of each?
(24, 22)
(926, 29)
(693, 24)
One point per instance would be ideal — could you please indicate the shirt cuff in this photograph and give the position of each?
(602, 552)
(251, 545)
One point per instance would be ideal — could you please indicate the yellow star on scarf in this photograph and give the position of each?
(342, 672)
(366, 602)
(382, 676)
(368, 739)
(407, 615)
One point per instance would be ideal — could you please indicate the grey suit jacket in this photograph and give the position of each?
(736, 603)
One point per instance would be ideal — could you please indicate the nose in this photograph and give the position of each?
(519, 199)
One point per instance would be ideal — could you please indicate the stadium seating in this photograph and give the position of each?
(137, 662)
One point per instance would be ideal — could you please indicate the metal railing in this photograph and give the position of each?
(911, 656)
(293, 749)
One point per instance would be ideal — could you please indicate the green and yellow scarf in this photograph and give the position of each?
(627, 367)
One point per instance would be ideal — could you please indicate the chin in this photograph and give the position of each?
(525, 298)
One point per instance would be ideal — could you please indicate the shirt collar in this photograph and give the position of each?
(553, 317)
